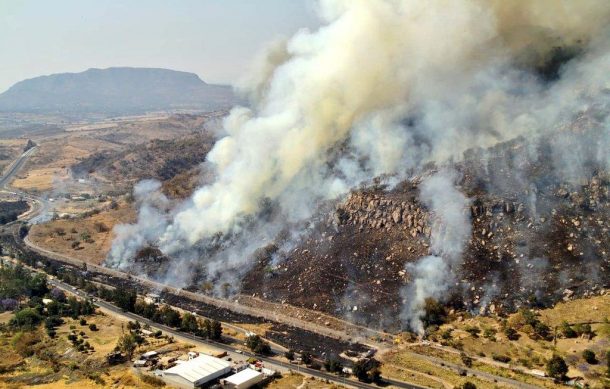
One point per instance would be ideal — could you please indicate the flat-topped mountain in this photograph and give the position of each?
(115, 90)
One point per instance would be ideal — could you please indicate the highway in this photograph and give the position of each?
(231, 351)
(15, 167)
(38, 205)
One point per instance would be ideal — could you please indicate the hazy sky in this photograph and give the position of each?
(217, 39)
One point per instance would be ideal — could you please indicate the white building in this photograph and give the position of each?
(196, 372)
(243, 380)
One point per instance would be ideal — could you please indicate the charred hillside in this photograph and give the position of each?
(538, 235)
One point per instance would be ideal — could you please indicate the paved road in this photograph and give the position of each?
(15, 166)
(38, 205)
(270, 362)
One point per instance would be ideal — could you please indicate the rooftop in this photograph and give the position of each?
(197, 368)
(243, 376)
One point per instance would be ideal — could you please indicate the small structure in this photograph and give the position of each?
(140, 363)
(196, 372)
(192, 355)
(152, 298)
(150, 355)
(243, 380)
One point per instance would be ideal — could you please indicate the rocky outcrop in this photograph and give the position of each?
(373, 211)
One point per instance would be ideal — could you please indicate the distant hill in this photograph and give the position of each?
(115, 90)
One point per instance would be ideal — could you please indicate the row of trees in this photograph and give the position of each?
(126, 299)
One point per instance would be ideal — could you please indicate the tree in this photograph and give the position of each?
(127, 344)
(566, 330)
(206, 328)
(434, 313)
(189, 323)
(125, 299)
(333, 365)
(466, 360)
(26, 318)
(556, 367)
(306, 357)
(608, 362)
(583, 329)
(289, 355)
(511, 333)
(468, 385)
(367, 370)
(252, 341)
(169, 316)
(216, 330)
(258, 345)
(589, 356)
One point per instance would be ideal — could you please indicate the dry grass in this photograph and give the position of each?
(9, 151)
(56, 154)
(78, 370)
(297, 381)
(591, 309)
(53, 158)
(47, 236)
(5, 317)
(529, 353)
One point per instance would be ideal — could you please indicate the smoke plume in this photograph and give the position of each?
(433, 274)
(382, 88)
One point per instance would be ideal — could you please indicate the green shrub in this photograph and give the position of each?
(556, 367)
(501, 358)
(589, 356)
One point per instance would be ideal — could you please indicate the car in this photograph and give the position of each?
(239, 351)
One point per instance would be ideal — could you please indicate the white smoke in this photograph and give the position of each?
(383, 87)
(451, 229)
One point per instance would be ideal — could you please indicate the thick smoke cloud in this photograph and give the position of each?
(433, 274)
(381, 89)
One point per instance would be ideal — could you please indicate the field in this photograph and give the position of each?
(297, 381)
(50, 164)
(56, 364)
(49, 168)
(9, 151)
(525, 354)
(59, 235)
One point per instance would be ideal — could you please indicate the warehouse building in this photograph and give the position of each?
(196, 372)
(243, 380)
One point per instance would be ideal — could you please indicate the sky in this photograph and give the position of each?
(217, 39)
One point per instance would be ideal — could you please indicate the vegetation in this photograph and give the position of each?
(527, 321)
(127, 344)
(10, 210)
(589, 356)
(333, 365)
(434, 313)
(557, 368)
(258, 345)
(367, 370)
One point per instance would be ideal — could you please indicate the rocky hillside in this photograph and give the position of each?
(115, 91)
(538, 235)
(158, 159)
